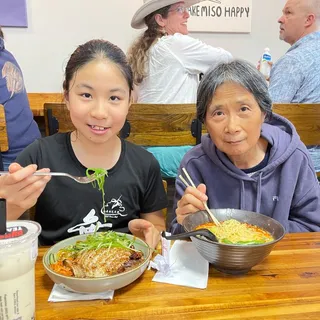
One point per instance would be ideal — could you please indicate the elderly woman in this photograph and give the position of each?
(251, 159)
(166, 62)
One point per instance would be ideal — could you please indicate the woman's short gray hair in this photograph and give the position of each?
(236, 71)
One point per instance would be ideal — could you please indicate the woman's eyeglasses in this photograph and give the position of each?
(180, 9)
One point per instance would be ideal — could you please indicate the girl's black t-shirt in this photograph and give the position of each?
(67, 208)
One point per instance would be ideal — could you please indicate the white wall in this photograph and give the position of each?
(56, 27)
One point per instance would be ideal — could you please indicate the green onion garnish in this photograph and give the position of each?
(108, 239)
(100, 175)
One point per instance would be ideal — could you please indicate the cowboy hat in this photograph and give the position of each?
(150, 6)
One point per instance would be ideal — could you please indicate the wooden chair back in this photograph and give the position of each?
(162, 125)
(165, 210)
(38, 99)
(305, 117)
(4, 145)
(57, 118)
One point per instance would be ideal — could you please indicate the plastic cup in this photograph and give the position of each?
(18, 253)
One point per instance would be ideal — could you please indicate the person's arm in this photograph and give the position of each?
(21, 189)
(305, 211)
(305, 216)
(196, 56)
(156, 218)
(285, 79)
(187, 200)
(148, 227)
(191, 201)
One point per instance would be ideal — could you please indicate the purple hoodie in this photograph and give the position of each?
(286, 189)
(21, 127)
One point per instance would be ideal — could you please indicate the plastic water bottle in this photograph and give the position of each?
(265, 67)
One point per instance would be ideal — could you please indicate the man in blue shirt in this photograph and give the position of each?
(295, 77)
(21, 128)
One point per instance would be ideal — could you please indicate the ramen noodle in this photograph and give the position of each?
(235, 232)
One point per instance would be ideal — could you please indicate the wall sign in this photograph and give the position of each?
(13, 13)
(221, 16)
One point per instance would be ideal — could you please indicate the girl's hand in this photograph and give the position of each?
(21, 189)
(146, 231)
(191, 201)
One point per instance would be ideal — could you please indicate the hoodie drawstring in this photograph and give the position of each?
(258, 197)
(242, 197)
(258, 200)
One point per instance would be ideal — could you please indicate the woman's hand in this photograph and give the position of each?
(145, 230)
(21, 189)
(191, 201)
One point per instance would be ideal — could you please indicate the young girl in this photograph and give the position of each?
(97, 89)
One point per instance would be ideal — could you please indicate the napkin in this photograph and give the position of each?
(59, 294)
(184, 266)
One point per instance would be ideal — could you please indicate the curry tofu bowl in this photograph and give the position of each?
(97, 262)
(228, 257)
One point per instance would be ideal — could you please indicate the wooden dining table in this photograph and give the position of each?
(286, 285)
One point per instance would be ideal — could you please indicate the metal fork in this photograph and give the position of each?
(84, 180)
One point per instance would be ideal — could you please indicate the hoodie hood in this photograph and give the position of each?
(279, 132)
(284, 140)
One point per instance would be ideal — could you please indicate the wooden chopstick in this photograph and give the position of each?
(184, 181)
(214, 219)
(187, 175)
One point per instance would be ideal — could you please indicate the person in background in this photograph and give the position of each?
(97, 90)
(166, 64)
(21, 128)
(247, 159)
(295, 77)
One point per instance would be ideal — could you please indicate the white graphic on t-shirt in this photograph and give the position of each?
(92, 222)
(114, 209)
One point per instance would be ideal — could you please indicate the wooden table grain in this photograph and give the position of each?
(286, 285)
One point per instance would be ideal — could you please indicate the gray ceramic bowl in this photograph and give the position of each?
(228, 258)
(93, 285)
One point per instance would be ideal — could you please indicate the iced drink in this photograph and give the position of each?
(18, 253)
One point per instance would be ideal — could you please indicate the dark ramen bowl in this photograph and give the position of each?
(231, 258)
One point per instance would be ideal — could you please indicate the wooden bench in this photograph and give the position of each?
(306, 119)
(57, 118)
(4, 145)
(162, 125)
(37, 101)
